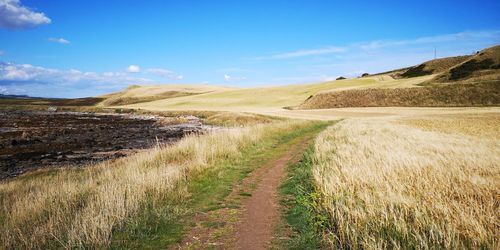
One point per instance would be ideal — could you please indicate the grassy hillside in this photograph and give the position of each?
(464, 94)
(434, 66)
(485, 65)
(427, 68)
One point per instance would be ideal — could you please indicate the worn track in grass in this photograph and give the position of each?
(250, 213)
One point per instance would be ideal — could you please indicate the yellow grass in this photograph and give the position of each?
(138, 94)
(72, 208)
(388, 185)
(373, 112)
(480, 125)
(143, 91)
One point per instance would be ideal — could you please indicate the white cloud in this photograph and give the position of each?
(133, 69)
(228, 78)
(2, 52)
(59, 40)
(15, 16)
(165, 73)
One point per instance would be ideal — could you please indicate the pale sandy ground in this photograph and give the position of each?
(343, 113)
(372, 112)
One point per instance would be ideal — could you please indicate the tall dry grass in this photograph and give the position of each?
(71, 208)
(475, 124)
(387, 185)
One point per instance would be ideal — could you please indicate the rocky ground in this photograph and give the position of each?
(32, 139)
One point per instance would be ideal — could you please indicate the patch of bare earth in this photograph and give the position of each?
(249, 215)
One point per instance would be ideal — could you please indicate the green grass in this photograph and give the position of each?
(300, 199)
(163, 223)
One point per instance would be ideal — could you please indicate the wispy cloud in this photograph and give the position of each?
(133, 69)
(13, 15)
(303, 53)
(165, 73)
(367, 47)
(447, 38)
(59, 40)
(2, 52)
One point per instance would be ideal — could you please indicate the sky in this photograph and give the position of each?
(80, 48)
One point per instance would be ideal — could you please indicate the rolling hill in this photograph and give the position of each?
(267, 97)
(485, 65)
(137, 94)
(382, 87)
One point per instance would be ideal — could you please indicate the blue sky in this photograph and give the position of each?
(63, 48)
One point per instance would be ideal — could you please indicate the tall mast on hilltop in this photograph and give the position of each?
(435, 53)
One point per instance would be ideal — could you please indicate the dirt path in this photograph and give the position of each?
(251, 212)
(261, 212)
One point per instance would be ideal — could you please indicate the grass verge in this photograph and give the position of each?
(300, 200)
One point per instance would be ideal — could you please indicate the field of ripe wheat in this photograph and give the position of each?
(420, 183)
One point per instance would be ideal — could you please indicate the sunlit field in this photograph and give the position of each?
(429, 182)
(249, 125)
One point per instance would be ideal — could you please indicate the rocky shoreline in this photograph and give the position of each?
(31, 140)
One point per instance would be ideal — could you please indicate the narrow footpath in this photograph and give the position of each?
(251, 212)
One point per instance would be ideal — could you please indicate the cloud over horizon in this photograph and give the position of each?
(35, 80)
(13, 15)
(40, 81)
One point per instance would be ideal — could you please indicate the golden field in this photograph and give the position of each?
(421, 182)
